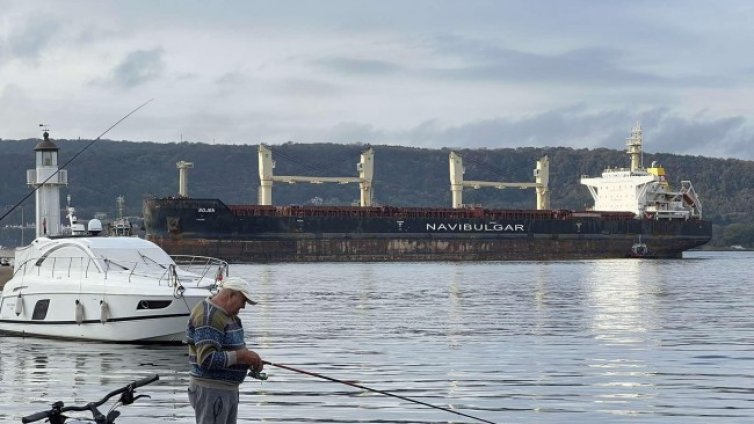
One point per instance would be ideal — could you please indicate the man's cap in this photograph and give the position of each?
(240, 285)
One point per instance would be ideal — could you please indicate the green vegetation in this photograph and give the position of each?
(404, 176)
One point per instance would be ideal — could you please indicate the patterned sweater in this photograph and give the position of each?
(213, 337)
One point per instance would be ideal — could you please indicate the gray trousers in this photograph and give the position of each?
(214, 406)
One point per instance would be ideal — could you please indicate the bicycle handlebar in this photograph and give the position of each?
(58, 407)
(144, 381)
(36, 417)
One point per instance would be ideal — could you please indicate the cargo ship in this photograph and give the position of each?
(636, 214)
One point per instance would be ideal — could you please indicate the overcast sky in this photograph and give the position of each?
(417, 73)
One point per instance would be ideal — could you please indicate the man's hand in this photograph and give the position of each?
(250, 358)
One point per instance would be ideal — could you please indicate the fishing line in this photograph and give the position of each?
(382, 392)
(23, 199)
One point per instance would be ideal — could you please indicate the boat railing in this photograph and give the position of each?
(189, 268)
(68, 266)
(203, 266)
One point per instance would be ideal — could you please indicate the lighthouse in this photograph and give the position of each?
(46, 178)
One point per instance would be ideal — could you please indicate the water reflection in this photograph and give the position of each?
(81, 372)
(622, 310)
(553, 342)
(455, 326)
(620, 296)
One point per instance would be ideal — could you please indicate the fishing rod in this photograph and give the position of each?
(263, 376)
(72, 159)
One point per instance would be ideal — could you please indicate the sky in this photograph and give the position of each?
(428, 74)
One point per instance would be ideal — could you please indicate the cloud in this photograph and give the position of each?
(351, 66)
(572, 126)
(490, 60)
(576, 127)
(30, 40)
(139, 67)
(700, 135)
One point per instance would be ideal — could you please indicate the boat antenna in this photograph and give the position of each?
(23, 199)
(382, 392)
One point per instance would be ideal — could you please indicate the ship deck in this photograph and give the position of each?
(430, 213)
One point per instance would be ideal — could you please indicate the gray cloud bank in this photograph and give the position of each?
(423, 73)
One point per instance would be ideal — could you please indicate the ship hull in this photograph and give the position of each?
(318, 234)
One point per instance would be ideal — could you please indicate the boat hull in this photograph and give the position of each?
(311, 234)
(126, 319)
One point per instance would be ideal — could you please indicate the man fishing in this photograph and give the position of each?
(218, 357)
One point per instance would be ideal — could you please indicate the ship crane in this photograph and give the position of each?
(183, 168)
(457, 183)
(365, 169)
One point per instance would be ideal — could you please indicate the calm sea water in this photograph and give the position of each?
(555, 342)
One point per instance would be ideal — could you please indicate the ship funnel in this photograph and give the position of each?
(183, 168)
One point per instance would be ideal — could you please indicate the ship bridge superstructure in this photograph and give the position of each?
(643, 191)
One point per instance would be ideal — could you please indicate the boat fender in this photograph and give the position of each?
(79, 312)
(104, 311)
(19, 305)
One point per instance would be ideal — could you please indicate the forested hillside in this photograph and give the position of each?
(404, 176)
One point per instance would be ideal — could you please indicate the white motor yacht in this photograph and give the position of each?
(115, 289)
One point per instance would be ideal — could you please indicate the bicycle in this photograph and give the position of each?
(55, 413)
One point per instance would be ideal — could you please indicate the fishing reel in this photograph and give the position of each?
(258, 375)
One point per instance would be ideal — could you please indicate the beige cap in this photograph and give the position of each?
(238, 284)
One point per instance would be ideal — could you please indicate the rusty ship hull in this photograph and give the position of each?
(257, 234)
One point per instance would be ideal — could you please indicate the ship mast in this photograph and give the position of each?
(634, 148)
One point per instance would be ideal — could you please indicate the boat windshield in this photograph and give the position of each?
(135, 259)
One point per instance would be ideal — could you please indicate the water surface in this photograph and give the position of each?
(512, 342)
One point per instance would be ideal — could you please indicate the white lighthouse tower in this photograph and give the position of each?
(47, 179)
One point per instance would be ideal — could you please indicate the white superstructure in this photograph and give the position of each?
(643, 191)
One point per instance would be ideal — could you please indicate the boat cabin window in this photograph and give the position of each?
(40, 309)
(65, 267)
(154, 304)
